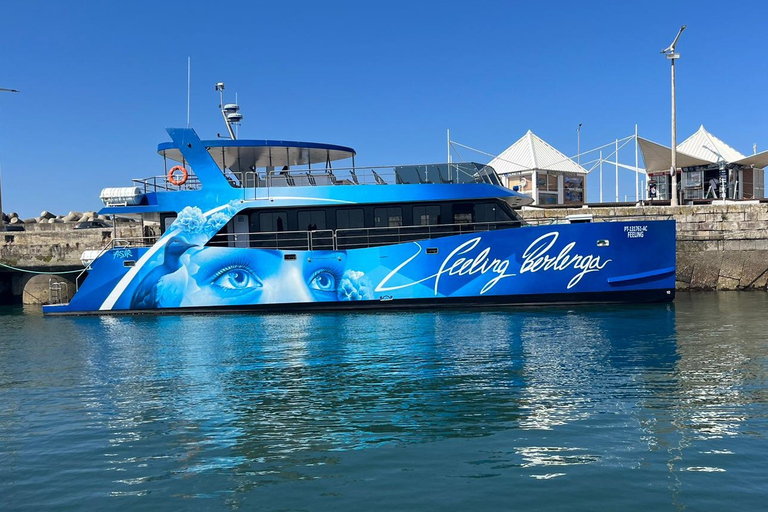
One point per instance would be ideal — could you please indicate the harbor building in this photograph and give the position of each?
(542, 172)
(707, 168)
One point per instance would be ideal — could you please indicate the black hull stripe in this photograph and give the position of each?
(617, 297)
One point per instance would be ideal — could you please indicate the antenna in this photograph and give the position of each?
(230, 112)
(189, 79)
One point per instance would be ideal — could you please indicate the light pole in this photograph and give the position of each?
(578, 144)
(672, 56)
(2, 220)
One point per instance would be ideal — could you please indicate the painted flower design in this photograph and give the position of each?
(216, 221)
(354, 286)
(191, 220)
(196, 226)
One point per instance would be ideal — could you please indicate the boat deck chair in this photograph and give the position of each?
(379, 179)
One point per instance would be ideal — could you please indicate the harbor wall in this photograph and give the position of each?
(31, 259)
(719, 246)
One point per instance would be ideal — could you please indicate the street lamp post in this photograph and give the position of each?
(672, 56)
(2, 220)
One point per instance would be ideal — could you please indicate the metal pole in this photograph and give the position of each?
(637, 172)
(448, 145)
(2, 220)
(601, 176)
(578, 144)
(673, 170)
(189, 79)
(672, 56)
(617, 170)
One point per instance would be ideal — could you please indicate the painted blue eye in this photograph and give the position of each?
(323, 281)
(236, 278)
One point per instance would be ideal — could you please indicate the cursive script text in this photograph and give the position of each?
(537, 257)
(454, 265)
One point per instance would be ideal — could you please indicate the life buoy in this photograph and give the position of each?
(172, 175)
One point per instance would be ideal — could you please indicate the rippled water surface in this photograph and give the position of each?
(659, 407)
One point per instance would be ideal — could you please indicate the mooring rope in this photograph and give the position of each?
(41, 271)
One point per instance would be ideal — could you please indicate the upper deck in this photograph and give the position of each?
(219, 171)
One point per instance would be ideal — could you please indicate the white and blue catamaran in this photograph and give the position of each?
(264, 225)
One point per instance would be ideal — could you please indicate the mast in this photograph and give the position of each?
(230, 112)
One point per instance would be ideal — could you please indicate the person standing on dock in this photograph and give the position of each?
(712, 189)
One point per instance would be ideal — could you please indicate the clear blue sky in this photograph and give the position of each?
(100, 81)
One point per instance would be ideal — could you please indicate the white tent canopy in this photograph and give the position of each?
(701, 148)
(658, 158)
(531, 153)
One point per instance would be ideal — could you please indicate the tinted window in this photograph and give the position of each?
(426, 215)
(273, 221)
(350, 218)
(388, 217)
(313, 219)
(489, 212)
(463, 214)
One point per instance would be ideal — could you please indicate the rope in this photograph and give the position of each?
(41, 272)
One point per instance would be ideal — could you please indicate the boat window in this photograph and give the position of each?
(388, 217)
(463, 213)
(273, 221)
(426, 215)
(347, 218)
(312, 219)
(489, 212)
(166, 219)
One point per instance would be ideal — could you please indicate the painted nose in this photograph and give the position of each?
(286, 286)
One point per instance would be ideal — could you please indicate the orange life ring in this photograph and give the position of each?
(172, 175)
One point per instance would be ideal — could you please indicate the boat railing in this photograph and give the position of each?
(322, 239)
(161, 184)
(464, 172)
(378, 175)
(351, 238)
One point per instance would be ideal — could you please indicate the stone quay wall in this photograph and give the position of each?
(56, 245)
(719, 246)
(46, 248)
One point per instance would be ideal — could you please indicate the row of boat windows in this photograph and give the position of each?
(376, 216)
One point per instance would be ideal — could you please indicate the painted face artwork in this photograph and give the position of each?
(206, 276)
(243, 276)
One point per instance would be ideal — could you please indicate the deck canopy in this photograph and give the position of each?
(244, 155)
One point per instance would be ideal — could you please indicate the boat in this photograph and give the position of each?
(273, 225)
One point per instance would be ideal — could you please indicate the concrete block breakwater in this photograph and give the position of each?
(47, 217)
(719, 246)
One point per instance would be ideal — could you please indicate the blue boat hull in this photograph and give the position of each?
(599, 262)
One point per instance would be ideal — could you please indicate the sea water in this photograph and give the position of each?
(630, 408)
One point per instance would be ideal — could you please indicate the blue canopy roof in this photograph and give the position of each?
(241, 155)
